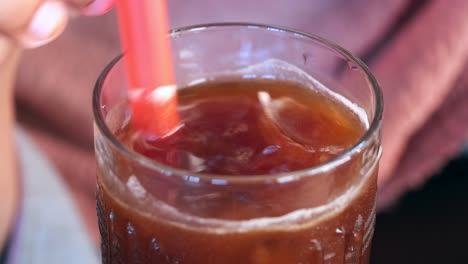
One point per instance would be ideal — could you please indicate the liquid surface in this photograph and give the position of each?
(241, 127)
(252, 127)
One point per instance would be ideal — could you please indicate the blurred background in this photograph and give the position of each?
(417, 49)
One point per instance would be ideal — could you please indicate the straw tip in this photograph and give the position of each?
(156, 113)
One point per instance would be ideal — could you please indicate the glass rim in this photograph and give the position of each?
(364, 141)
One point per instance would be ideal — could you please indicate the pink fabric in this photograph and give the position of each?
(422, 67)
(418, 72)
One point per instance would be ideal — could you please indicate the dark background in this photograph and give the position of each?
(429, 225)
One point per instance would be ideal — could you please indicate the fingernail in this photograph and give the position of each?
(48, 22)
(98, 7)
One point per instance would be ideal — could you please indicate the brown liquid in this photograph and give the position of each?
(231, 128)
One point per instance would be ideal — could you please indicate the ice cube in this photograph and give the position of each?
(288, 115)
(305, 127)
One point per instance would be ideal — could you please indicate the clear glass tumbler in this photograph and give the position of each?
(147, 211)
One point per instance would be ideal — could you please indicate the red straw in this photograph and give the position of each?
(148, 60)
